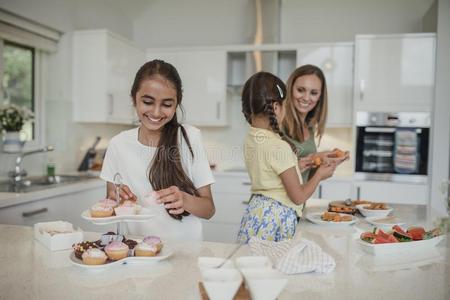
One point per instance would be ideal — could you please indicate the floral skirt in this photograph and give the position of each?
(267, 219)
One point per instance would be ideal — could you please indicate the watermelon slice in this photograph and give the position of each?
(417, 233)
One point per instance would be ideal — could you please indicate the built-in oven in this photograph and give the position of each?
(392, 146)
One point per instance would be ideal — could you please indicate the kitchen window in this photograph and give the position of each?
(18, 81)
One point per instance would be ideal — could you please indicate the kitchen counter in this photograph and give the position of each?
(9, 199)
(30, 271)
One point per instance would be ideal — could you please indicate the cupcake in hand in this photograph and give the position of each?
(126, 208)
(116, 250)
(94, 256)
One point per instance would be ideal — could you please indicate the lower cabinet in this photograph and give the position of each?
(64, 207)
(231, 193)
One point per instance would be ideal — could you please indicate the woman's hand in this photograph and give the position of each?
(306, 163)
(125, 192)
(172, 198)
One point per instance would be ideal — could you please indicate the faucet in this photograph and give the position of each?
(19, 173)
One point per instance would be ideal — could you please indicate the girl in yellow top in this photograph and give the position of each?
(277, 188)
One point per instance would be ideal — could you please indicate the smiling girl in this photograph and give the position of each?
(163, 156)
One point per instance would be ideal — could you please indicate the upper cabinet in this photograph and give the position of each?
(104, 66)
(336, 62)
(204, 77)
(394, 72)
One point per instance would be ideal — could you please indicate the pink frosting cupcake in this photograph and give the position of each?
(109, 202)
(116, 250)
(94, 256)
(126, 208)
(153, 241)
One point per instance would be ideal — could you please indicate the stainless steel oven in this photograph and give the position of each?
(392, 146)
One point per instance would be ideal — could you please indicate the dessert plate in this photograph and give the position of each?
(316, 219)
(143, 214)
(165, 253)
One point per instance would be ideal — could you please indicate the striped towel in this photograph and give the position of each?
(294, 256)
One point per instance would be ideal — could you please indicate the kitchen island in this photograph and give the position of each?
(30, 271)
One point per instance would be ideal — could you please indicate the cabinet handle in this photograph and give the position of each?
(320, 191)
(358, 193)
(361, 89)
(27, 214)
(111, 104)
(218, 110)
(246, 183)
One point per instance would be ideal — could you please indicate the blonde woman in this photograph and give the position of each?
(305, 117)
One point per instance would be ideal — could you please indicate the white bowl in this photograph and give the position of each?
(221, 284)
(264, 284)
(252, 262)
(209, 262)
(373, 212)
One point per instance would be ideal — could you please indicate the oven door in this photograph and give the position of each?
(391, 153)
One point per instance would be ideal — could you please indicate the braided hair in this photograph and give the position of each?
(260, 92)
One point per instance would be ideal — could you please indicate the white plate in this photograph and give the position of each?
(316, 218)
(373, 212)
(391, 248)
(165, 253)
(143, 214)
(385, 221)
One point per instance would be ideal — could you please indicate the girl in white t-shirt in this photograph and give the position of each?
(163, 156)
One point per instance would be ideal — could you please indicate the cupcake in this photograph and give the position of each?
(100, 210)
(94, 256)
(109, 202)
(144, 249)
(80, 248)
(126, 208)
(116, 250)
(153, 240)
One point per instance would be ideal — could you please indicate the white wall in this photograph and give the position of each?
(441, 123)
(334, 21)
(70, 139)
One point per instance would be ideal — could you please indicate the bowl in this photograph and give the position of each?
(264, 284)
(252, 262)
(209, 262)
(373, 212)
(220, 283)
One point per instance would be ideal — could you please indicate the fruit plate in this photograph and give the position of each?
(385, 222)
(316, 219)
(165, 253)
(143, 215)
(391, 248)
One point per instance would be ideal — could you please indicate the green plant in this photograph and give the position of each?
(12, 117)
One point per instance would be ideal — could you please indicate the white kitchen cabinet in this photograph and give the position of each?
(204, 76)
(394, 72)
(231, 193)
(336, 62)
(391, 192)
(104, 67)
(66, 207)
(335, 189)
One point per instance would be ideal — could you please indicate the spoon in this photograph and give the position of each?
(229, 256)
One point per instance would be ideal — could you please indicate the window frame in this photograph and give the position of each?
(38, 105)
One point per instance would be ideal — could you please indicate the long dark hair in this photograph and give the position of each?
(260, 92)
(166, 169)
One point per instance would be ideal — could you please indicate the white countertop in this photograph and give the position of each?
(30, 271)
(8, 199)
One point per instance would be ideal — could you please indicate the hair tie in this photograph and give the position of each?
(280, 91)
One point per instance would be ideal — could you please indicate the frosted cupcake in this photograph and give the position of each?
(109, 202)
(116, 250)
(94, 256)
(101, 211)
(126, 208)
(144, 249)
(153, 240)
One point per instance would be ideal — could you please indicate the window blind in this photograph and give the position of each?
(23, 31)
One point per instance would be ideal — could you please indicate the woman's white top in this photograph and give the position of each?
(127, 156)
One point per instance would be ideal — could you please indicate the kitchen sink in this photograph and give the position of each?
(37, 183)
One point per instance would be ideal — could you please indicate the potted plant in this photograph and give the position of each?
(12, 119)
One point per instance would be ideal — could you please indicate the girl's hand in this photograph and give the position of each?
(172, 198)
(326, 169)
(336, 156)
(306, 163)
(124, 192)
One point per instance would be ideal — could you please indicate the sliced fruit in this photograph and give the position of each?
(368, 236)
(417, 233)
